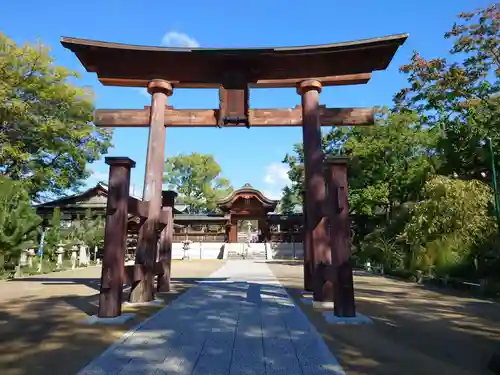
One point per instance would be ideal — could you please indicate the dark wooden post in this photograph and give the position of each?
(315, 190)
(142, 290)
(233, 229)
(340, 236)
(264, 227)
(306, 243)
(115, 237)
(165, 249)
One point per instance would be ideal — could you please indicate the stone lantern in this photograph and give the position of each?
(83, 258)
(74, 256)
(186, 247)
(31, 255)
(60, 252)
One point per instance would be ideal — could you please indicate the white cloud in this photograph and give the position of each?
(277, 175)
(178, 39)
(275, 179)
(97, 176)
(273, 193)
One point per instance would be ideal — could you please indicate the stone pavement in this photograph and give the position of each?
(239, 321)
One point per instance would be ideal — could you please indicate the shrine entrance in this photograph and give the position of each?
(308, 69)
(247, 209)
(249, 231)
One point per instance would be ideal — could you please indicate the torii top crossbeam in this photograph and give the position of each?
(335, 64)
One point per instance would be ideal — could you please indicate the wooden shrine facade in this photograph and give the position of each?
(246, 203)
(327, 269)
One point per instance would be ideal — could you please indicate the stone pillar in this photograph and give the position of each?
(31, 255)
(340, 236)
(24, 258)
(315, 190)
(83, 258)
(142, 290)
(59, 252)
(166, 237)
(74, 256)
(115, 237)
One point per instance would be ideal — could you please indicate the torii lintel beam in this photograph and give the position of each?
(210, 117)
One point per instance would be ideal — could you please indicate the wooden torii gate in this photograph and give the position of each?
(234, 72)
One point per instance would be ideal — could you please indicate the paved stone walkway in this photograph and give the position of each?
(240, 321)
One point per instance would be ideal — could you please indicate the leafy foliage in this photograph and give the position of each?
(18, 221)
(197, 179)
(453, 217)
(289, 201)
(91, 229)
(46, 130)
(459, 96)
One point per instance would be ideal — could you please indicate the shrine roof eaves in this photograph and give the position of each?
(247, 189)
(134, 65)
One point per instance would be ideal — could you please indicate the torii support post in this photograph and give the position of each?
(336, 168)
(315, 191)
(115, 237)
(166, 236)
(142, 290)
(306, 241)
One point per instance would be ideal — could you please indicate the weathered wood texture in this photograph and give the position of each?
(336, 80)
(233, 106)
(209, 117)
(166, 238)
(338, 212)
(140, 208)
(115, 237)
(316, 230)
(142, 291)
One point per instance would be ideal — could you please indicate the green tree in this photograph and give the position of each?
(19, 223)
(91, 229)
(46, 132)
(452, 219)
(53, 235)
(458, 96)
(197, 179)
(288, 202)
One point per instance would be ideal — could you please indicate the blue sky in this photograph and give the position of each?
(254, 155)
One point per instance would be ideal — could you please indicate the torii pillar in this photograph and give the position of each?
(142, 291)
(115, 237)
(316, 226)
(338, 212)
(166, 236)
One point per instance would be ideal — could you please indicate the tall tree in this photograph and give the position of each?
(288, 202)
(459, 96)
(19, 223)
(46, 132)
(197, 179)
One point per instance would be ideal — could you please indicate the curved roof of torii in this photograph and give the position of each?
(343, 63)
(247, 189)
